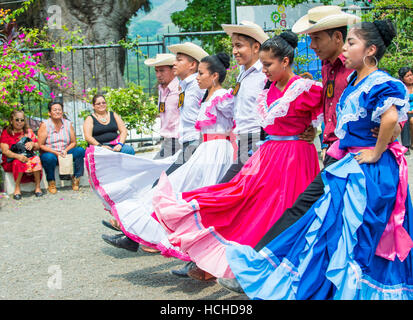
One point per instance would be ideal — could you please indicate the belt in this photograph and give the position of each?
(222, 136)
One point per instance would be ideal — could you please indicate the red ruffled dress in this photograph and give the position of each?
(204, 221)
(16, 166)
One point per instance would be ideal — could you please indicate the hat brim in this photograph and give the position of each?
(193, 51)
(250, 31)
(303, 24)
(159, 62)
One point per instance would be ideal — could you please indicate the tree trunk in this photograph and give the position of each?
(102, 22)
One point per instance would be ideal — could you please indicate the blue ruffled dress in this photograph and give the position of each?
(330, 252)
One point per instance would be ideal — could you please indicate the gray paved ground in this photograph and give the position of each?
(59, 236)
(51, 248)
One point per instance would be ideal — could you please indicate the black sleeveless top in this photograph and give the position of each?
(105, 133)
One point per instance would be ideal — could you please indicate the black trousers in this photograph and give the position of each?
(405, 134)
(188, 148)
(303, 203)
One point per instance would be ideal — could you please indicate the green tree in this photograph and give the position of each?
(400, 12)
(25, 76)
(137, 109)
(203, 15)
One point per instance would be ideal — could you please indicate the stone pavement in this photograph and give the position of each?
(51, 248)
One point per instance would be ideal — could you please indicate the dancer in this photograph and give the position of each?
(168, 99)
(206, 220)
(185, 67)
(328, 35)
(205, 167)
(246, 39)
(246, 42)
(143, 173)
(355, 241)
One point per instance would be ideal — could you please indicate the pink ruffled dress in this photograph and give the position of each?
(203, 222)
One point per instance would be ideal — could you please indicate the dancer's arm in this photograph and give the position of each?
(388, 122)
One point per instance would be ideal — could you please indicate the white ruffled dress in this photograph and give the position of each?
(124, 182)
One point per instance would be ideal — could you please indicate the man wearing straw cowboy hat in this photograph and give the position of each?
(168, 98)
(246, 42)
(188, 56)
(185, 67)
(246, 39)
(327, 28)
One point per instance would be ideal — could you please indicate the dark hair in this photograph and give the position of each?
(9, 128)
(379, 33)
(403, 71)
(342, 30)
(219, 63)
(249, 39)
(282, 46)
(96, 96)
(52, 103)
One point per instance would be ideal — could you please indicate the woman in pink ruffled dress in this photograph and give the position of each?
(204, 221)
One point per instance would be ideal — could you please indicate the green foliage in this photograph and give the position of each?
(81, 143)
(205, 15)
(25, 76)
(232, 75)
(400, 12)
(137, 109)
(201, 15)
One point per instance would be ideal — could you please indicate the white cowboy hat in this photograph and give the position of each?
(248, 28)
(323, 18)
(189, 49)
(161, 59)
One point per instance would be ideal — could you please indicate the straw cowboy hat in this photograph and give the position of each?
(323, 18)
(248, 28)
(189, 49)
(161, 59)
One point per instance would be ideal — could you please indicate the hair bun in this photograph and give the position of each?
(386, 30)
(224, 58)
(291, 38)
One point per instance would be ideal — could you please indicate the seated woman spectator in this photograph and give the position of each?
(406, 76)
(57, 138)
(105, 128)
(17, 143)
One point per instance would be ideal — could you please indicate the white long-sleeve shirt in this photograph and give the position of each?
(190, 109)
(252, 83)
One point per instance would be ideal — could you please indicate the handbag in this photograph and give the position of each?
(66, 165)
(20, 148)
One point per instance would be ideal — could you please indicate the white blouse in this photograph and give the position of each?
(217, 114)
